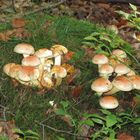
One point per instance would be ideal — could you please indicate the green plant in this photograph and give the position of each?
(107, 124)
(133, 17)
(105, 41)
(4, 138)
(27, 135)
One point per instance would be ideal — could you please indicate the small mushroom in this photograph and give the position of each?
(135, 80)
(31, 61)
(106, 70)
(121, 69)
(59, 73)
(108, 102)
(25, 49)
(7, 67)
(47, 65)
(101, 85)
(100, 59)
(120, 83)
(58, 50)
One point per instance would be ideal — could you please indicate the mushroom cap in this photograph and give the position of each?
(31, 61)
(130, 73)
(7, 67)
(44, 53)
(122, 69)
(119, 53)
(24, 48)
(100, 59)
(106, 69)
(59, 71)
(108, 102)
(122, 83)
(28, 73)
(59, 50)
(135, 80)
(14, 71)
(101, 85)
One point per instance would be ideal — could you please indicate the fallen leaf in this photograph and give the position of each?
(67, 119)
(76, 91)
(69, 68)
(125, 136)
(18, 22)
(68, 56)
(71, 77)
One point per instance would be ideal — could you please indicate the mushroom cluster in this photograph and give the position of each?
(41, 68)
(115, 75)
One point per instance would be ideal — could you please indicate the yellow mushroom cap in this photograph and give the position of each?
(31, 61)
(59, 71)
(24, 48)
(59, 50)
(28, 73)
(101, 85)
(100, 59)
(122, 83)
(43, 53)
(119, 53)
(135, 80)
(108, 102)
(122, 69)
(7, 67)
(106, 69)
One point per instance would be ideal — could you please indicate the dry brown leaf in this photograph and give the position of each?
(67, 119)
(125, 136)
(18, 22)
(76, 91)
(69, 68)
(104, 5)
(68, 56)
(71, 77)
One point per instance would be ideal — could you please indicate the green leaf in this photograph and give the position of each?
(18, 131)
(105, 37)
(111, 120)
(105, 111)
(64, 103)
(60, 112)
(87, 122)
(98, 121)
(112, 134)
(30, 132)
(60, 138)
(90, 38)
(93, 116)
(133, 7)
(126, 15)
(136, 120)
(32, 138)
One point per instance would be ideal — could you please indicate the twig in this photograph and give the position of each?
(61, 131)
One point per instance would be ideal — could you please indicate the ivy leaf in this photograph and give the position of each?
(65, 104)
(87, 122)
(60, 112)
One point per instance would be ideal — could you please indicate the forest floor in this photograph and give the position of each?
(68, 24)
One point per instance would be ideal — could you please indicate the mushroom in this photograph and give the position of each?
(135, 80)
(100, 59)
(31, 61)
(108, 102)
(7, 67)
(101, 85)
(29, 75)
(24, 48)
(47, 80)
(43, 54)
(47, 65)
(59, 73)
(58, 50)
(106, 70)
(119, 53)
(120, 83)
(130, 73)
(121, 69)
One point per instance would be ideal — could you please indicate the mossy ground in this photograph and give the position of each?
(24, 104)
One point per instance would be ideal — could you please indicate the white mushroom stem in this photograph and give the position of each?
(47, 67)
(41, 68)
(57, 60)
(25, 55)
(112, 91)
